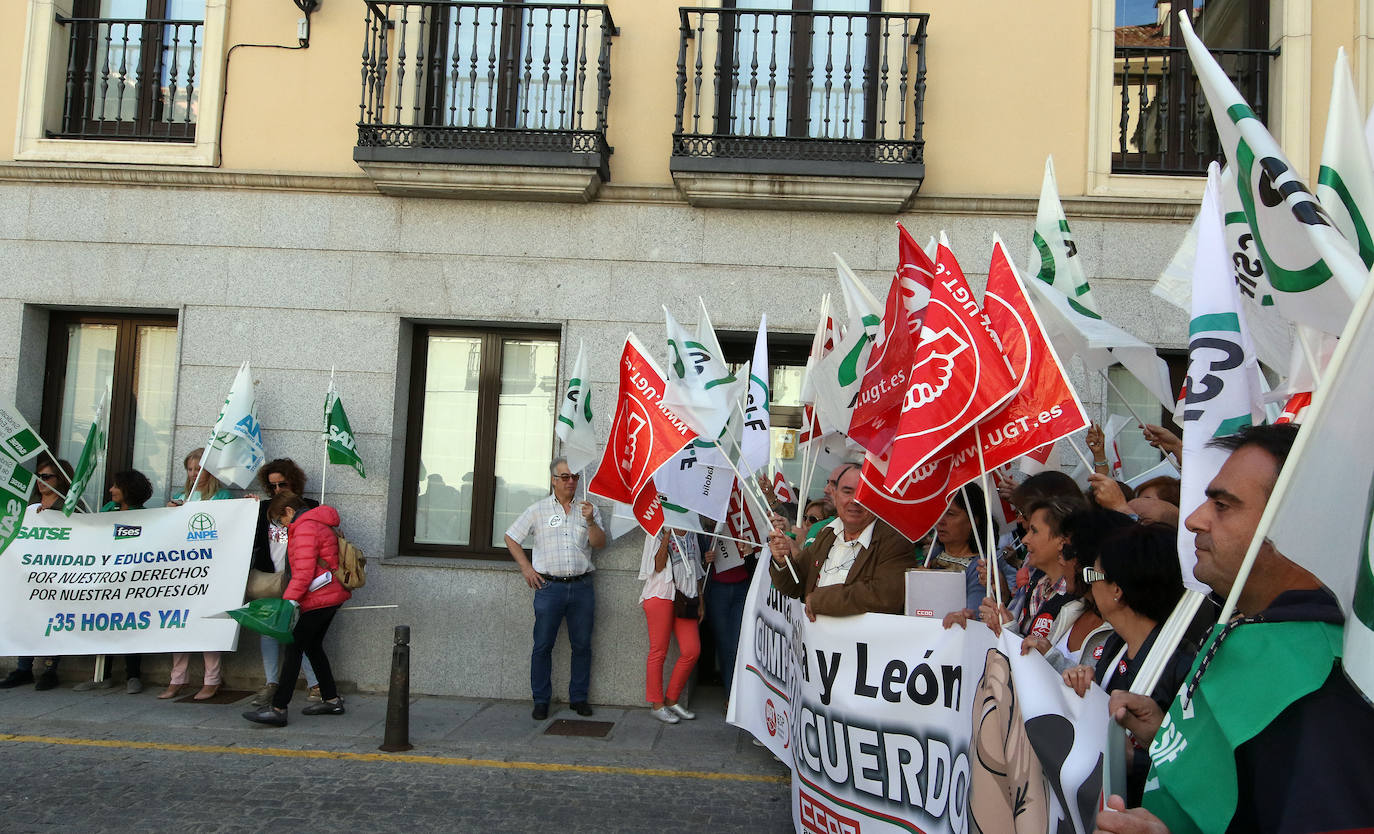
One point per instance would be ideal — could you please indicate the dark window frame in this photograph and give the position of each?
(790, 349)
(123, 401)
(481, 528)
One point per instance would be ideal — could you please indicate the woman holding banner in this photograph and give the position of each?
(670, 568)
(45, 497)
(201, 485)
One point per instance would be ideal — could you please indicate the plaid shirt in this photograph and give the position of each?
(560, 539)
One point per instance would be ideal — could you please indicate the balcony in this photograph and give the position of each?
(488, 100)
(1165, 126)
(800, 109)
(131, 79)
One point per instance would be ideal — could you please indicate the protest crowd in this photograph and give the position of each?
(1204, 616)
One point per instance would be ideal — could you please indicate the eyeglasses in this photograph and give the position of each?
(565, 477)
(276, 485)
(812, 519)
(47, 476)
(1091, 575)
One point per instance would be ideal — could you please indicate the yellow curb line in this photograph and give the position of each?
(392, 757)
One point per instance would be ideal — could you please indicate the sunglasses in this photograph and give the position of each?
(1091, 575)
(565, 477)
(812, 519)
(47, 476)
(276, 485)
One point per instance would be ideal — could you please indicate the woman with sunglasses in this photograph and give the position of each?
(1136, 583)
(45, 497)
(269, 556)
(201, 485)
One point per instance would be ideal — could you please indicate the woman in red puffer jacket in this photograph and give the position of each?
(312, 551)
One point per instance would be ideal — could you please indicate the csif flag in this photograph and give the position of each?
(700, 389)
(837, 376)
(1053, 248)
(1222, 388)
(1345, 181)
(958, 378)
(92, 454)
(339, 434)
(234, 452)
(645, 433)
(1315, 272)
(1045, 407)
(686, 481)
(756, 443)
(574, 427)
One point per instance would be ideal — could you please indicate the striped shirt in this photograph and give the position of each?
(560, 538)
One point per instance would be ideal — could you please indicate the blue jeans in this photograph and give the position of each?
(725, 610)
(271, 656)
(575, 601)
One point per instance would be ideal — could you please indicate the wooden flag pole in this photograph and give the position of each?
(1167, 455)
(765, 514)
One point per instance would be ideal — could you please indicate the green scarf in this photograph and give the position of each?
(1258, 672)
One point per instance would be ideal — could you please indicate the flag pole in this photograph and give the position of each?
(1167, 455)
(328, 404)
(991, 557)
(765, 514)
(58, 466)
(1079, 452)
(808, 466)
(977, 539)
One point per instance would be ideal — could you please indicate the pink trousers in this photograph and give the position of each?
(662, 625)
(181, 660)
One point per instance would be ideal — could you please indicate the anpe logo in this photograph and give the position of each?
(201, 528)
(55, 534)
(818, 819)
(127, 531)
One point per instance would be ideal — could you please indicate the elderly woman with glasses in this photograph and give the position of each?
(1136, 582)
(269, 556)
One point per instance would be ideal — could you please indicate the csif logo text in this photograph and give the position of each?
(201, 528)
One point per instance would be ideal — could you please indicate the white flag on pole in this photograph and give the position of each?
(1315, 272)
(837, 376)
(574, 426)
(235, 449)
(701, 390)
(757, 441)
(1345, 182)
(1222, 391)
(1054, 250)
(686, 481)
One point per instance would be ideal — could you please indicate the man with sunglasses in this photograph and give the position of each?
(560, 572)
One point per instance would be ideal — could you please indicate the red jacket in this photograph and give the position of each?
(310, 537)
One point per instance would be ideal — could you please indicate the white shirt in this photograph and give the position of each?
(681, 572)
(835, 568)
(560, 538)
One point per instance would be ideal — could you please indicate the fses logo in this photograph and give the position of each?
(818, 819)
(201, 528)
(127, 531)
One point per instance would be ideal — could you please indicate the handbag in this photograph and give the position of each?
(685, 607)
(264, 585)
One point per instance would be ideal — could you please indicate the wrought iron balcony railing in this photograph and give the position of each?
(486, 82)
(800, 92)
(1165, 125)
(131, 79)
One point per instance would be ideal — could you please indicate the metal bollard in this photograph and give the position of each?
(398, 697)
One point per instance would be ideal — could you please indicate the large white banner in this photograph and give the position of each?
(128, 582)
(894, 724)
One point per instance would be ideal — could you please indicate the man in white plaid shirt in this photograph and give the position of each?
(560, 572)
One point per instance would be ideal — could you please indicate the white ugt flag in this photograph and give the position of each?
(574, 426)
(1222, 391)
(235, 449)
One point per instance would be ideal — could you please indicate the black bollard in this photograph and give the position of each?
(398, 698)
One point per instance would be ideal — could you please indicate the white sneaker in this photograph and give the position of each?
(665, 715)
(683, 712)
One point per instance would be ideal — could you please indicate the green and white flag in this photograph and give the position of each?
(1315, 272)
(837, 376)
(92, 454)
(17, 438)
(1054, 250)
(16, 484)
(339, 434)
(1222, 391)
(701, 389)
(574, 426)
(756, 443)
(1345, 182)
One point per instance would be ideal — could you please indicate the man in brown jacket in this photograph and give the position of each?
(856, 565)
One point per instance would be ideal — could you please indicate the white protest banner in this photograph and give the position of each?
(125, 583)
(17, 438)
(762, 688)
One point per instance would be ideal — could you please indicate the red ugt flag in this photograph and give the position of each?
(913, 507)
(644, 435)
(959, 376)
(1045, 408)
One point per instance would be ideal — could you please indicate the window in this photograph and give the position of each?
(1136, 455)
(1164, 125)
(136, 356)
(125, 81)
(479, 437)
